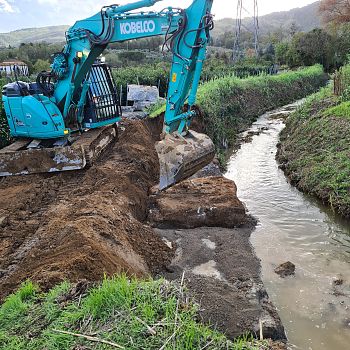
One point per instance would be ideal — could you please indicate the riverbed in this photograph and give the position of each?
(314, 304)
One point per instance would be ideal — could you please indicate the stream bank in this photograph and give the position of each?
(314, 151)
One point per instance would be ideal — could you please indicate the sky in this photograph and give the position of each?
(18, 14)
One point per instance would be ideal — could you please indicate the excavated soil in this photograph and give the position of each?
(80, 225)
(199, 202)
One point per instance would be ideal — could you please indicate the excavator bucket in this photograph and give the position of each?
(25, 157)
(181, 157)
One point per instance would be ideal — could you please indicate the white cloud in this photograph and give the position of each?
(5, 6)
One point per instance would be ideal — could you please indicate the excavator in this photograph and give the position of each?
(66, 118)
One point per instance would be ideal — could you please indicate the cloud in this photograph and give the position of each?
(5, 6)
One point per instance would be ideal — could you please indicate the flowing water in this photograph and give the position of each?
(294, 227)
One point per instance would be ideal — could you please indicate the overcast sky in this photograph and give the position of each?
(17, 14)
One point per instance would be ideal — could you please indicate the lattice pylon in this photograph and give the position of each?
(237, 49)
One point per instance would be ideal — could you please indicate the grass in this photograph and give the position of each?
(315, 149)
(134, 314)
(230, 105)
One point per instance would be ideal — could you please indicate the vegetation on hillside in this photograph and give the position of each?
(118, 313)
(315, 146)
(53, 34)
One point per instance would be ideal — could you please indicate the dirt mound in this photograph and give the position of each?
(210, 201)
(80, 225)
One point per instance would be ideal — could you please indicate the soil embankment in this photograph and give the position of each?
(81, 225)
(231, 105)
(315, 150)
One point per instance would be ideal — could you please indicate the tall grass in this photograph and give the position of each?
(230, 104)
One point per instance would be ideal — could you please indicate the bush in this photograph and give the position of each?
(158, 74)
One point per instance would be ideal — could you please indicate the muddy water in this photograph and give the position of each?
(294, 227)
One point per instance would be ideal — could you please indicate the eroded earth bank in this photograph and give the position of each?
(111, 219)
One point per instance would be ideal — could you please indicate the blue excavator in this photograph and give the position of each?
(68, 116)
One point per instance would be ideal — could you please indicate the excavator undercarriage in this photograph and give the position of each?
(27, 156)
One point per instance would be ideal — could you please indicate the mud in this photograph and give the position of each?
(224, 275)
(199, 202)
(80, 225)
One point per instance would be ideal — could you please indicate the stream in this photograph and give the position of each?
(314, 305)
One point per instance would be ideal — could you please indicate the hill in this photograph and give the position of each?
(53, 34)
(305, 18)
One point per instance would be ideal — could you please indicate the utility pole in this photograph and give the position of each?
(242, 5)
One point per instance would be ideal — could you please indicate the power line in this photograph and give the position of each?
(238, 52)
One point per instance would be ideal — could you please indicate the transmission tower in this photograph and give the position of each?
(243, 9)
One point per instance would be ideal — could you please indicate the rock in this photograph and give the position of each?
(210, 202)
(338, 281)
(143, 93)
(280, 115)
(3, 221)
(33, 223)
(286, 269)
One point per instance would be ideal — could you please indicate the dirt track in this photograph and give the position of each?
(81, 225)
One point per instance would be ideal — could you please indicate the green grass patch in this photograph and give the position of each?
(342, 110)
(315, 149)
(131, 313)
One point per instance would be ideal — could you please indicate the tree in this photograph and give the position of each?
(293, 29)
(306, 49)
(281, 52)
(135, 56)
(335, 11)
(269, 52)
(41, 65)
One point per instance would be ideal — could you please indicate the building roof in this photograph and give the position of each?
(12, 63)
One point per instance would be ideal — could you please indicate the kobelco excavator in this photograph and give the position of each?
(65, 119)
